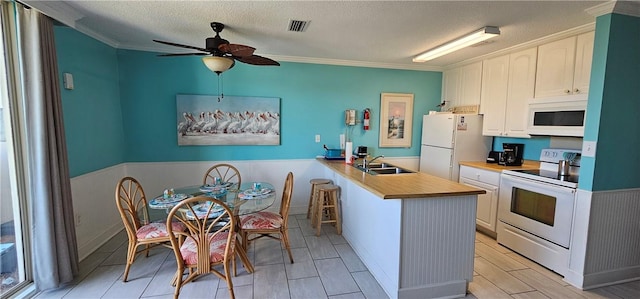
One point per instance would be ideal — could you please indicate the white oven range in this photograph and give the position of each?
(535, 209)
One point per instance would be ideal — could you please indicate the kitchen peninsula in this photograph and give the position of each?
(414, 232)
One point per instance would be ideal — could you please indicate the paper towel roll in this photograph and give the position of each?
(348, 152)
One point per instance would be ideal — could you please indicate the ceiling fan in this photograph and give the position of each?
(222, 54)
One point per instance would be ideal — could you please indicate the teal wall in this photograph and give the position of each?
(136, 90)
(313, 100)
(123, 106)
(614, 104)
(92, 113)
(532, 146)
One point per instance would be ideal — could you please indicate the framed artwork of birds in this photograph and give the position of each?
(203, 120)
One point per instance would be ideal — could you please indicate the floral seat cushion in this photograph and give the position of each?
(261, 220)
(157, 230)
(189, 249)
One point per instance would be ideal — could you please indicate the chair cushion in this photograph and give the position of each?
(157, 230)
(261, 220)
(189, 249)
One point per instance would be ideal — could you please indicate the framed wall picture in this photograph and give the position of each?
(396, 119)
(203, 120)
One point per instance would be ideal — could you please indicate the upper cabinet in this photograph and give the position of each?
(584, 57)
(461, 86)
(507, 85)
(495, 79)
(564, 66)
(522, 78)
(450, 87)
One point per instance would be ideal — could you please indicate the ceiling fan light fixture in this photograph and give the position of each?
(217, 64)
(459, 43)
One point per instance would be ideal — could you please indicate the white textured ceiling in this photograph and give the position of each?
(376, 33)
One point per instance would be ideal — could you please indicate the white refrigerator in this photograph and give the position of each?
(450, 138)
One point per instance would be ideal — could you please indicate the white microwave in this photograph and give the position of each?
(558, 116)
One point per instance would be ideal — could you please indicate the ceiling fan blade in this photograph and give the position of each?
(257, 60)
(183, 54)
(181, 45)
(237, 50)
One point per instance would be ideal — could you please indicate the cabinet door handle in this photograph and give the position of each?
(567, 91)
(577, 91)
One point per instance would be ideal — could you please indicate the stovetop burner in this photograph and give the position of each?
(551, 175)
(548, 171)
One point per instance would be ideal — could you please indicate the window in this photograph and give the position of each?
(15, 270)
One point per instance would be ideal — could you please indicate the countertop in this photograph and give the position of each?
(403, 185)
(528, 164)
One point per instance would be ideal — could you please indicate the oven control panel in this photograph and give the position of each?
(554, 155)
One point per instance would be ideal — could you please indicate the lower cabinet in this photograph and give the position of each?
(487, 210)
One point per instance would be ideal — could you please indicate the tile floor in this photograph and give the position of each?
(325, 267)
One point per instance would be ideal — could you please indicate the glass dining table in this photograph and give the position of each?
(247, 199)
(243, 201)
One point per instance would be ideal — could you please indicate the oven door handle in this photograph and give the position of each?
(536, 184)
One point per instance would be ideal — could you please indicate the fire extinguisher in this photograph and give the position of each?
(366, 117)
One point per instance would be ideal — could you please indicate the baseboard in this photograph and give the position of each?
(450, 289)
(611, 277)
(89, 246)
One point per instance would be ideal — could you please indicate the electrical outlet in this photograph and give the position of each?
(588, 148)
(78, 219)
(317, 138)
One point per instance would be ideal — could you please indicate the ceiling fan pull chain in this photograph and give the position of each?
(220, 87)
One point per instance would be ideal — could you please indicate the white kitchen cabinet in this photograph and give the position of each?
(493, 99)
(461, 86)
(522, 80)
(564, 66)
(584, 57)
(507, 85)
(450, 86)
(487, 207)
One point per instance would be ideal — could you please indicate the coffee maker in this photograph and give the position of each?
(511, 154)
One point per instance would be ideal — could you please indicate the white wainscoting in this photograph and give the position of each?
(94, 202)
(94, 206)
(605, 239)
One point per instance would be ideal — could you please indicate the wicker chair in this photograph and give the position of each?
(132, 206)
(266, 224)
(208, 241)
(226, 172)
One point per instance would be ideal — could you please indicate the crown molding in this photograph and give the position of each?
(629, 8)
(356, 63)
(57, 10)
(300, 59)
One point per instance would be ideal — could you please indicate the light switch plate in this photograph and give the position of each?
(68, 81)
(588, 148)
(317, 138)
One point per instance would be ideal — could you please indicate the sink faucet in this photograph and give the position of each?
(364, 160)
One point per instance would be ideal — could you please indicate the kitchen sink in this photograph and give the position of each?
(375, 165)
(382, 168)
(390, 170)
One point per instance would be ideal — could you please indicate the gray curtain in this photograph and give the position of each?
(53, 237)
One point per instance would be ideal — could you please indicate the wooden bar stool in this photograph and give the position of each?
(326, 207)
(313, 195)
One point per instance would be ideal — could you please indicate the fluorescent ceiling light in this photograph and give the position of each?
(457, 44)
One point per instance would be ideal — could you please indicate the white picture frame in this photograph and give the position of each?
(396, 119)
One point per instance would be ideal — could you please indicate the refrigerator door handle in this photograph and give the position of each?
(451, 160)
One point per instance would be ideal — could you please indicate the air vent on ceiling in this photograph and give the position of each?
(298, 26)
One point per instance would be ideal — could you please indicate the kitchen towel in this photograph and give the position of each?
(348, 152)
